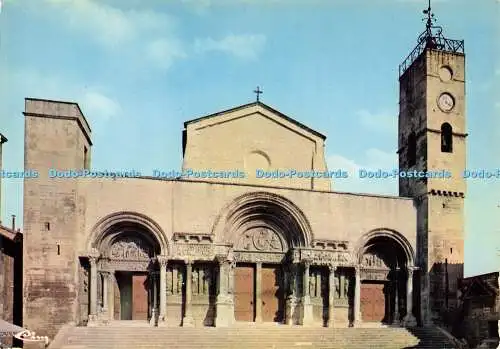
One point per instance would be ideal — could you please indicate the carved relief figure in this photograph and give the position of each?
(261, 239)
(130, 249)
(194, 277)
(179, 282)
(346, 287)
(85, 278)
(337, 286)
(373, 261)
(169, 281)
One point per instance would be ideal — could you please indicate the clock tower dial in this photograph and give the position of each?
(446, 102)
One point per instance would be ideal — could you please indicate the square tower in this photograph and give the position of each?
(57, 136)
(432, 147)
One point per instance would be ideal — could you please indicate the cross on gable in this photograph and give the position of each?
(258, 92)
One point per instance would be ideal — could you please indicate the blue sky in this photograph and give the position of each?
(140, 68)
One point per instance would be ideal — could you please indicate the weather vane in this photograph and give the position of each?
(428, 36)
(430, 16)
(258, 92)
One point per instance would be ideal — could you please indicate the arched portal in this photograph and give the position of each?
(263, 229)
(386, 261)
(124, 269)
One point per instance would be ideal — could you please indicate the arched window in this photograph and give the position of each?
(446, 138)
(411, 150)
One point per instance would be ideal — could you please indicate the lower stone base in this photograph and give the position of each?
(292, 311)
(307, 312)
(409, 321)
(187, 321)
(225, 314)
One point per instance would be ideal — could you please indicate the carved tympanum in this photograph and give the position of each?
(372, 260)
(130, 249)
(261, 239)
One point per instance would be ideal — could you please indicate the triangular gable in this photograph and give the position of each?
(265, 110)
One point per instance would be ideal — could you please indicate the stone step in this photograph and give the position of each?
(276, 337)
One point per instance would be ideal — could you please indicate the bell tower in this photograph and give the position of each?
(432, 145)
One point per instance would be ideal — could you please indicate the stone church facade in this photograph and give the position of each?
(224, 251)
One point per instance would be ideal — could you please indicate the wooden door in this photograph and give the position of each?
(244, 304)
(125, 285)
(372, 302)
(270, 294)
(139, 297)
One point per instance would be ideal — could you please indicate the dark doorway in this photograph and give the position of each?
(133, 295)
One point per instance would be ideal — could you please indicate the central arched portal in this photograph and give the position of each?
(264, 229)
(259, 275)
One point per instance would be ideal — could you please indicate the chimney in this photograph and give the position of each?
(2, 141)
(14, 222)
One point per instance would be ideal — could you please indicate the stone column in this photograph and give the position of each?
(258, 290)
(154, 298)
(225, 303)
(292, 300)
(162, 320)
(187, 320)
(307, 308)
(395, 320)
(105, 293)
(331, 295)
(409, 320)
(357, 297)
(93, 286)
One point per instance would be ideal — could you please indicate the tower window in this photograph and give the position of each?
(446, 138)
(412, 150)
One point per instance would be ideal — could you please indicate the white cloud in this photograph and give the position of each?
(244, 46)
(199, 6)
(146, 34)
(374, 160)
(99, 105)
(383, 121)
(96, 105)
(164, 52)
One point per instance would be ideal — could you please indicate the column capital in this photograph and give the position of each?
(162, 260)
(332, 268)
(93, 255)
(307, 262)
(357, 269)
(188, 261)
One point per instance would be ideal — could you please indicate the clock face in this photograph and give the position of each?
(446, 102)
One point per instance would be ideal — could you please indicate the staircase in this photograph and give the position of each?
(272, 337)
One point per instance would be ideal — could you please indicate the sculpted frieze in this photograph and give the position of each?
(264, 257)
(127, 265)
(322, 257)
(201, 251)
(130, 248)
(375, 275)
